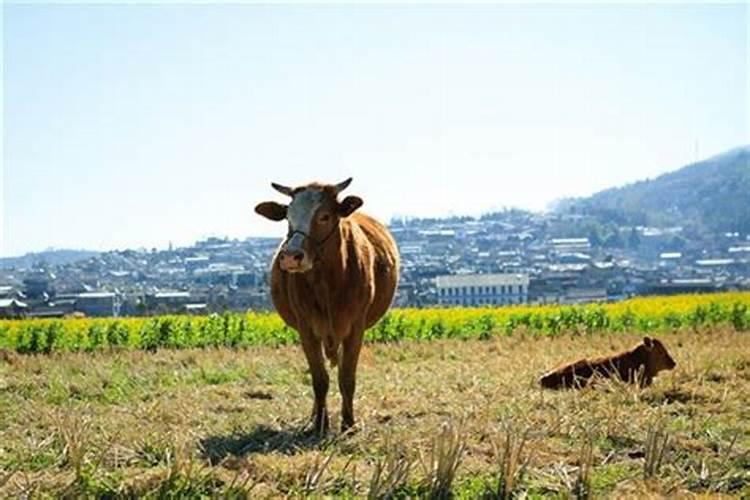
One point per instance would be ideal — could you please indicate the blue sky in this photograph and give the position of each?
(137, 125)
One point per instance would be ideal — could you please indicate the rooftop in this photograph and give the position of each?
(455, 280)
(714, 262)
(569, 241)
(95, 295)
(11, 303)
(670, 255)
(164, 295)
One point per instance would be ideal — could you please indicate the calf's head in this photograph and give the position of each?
(313, 218)
(657, 355)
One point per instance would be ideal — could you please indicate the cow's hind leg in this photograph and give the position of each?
(314, 353)
(348, 376)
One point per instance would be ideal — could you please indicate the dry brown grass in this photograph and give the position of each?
(433, 417)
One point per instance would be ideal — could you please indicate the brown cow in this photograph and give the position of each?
(639, 364)
(333, 276)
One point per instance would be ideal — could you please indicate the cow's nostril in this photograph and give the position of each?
(298, 256)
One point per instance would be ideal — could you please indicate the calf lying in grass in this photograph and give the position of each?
(639, 364)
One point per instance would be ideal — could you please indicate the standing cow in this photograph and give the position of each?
(333, 276)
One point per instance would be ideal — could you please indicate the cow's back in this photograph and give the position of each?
(569, 375)
(624, 365)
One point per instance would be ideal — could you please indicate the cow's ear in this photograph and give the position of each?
(648, 342)
(271, 210)
(348, 205)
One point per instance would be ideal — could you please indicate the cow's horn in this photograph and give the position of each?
(342, 185)
(282, 189)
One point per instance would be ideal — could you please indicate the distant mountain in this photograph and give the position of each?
(709, 196)
(52, 257)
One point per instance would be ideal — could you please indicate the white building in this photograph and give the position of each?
(570, 245)
(483, 289)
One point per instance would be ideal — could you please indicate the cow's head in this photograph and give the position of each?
(313, 216)
(658, 356)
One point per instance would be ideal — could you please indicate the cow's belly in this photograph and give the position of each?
(385, 288)
(299, 312)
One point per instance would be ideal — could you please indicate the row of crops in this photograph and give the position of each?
(651, 314)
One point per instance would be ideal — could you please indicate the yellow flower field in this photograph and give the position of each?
(643, 314)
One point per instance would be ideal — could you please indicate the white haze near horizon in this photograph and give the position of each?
(138, 125)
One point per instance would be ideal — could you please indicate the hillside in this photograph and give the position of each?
(710, 196)
(51, 257)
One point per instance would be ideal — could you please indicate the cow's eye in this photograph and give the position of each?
(325, 218)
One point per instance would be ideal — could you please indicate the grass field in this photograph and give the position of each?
(435, 418)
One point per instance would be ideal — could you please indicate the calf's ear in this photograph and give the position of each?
(271, 210)
(648, 342)
(348, 205)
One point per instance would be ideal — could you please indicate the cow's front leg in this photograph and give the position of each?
(348, 376)
(314, 354)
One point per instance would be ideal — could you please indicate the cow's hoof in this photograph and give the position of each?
(348, 428)
(317, 427)
(313, 431)
(315, 434)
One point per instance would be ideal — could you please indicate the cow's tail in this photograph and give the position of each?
(332, 349)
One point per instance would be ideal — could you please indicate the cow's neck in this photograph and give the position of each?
(330, 266)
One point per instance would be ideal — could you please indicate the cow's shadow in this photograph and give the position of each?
(261, 439)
